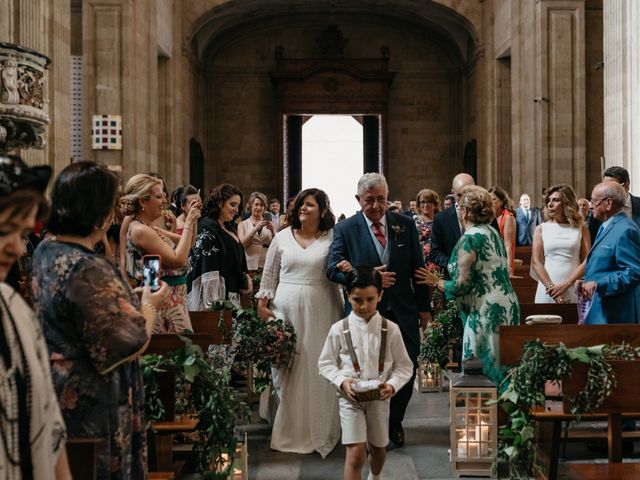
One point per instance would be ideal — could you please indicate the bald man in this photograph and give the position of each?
(612, 273)
(447, 228)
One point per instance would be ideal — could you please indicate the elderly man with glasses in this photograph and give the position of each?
(612, 274)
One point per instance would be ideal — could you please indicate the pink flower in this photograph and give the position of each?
(68, 398)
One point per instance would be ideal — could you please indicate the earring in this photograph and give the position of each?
(142, 209)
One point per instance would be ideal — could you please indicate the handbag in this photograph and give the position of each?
(372, 393)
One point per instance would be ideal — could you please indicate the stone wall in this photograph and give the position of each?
(242, 143)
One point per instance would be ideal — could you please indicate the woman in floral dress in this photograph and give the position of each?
(144, 200)
(428, 205)
(479, 282)
(95, 326)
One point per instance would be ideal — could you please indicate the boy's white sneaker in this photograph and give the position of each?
(375, 477)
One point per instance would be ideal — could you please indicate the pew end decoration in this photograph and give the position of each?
(540, 364)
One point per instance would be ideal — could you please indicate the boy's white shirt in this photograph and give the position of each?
(335, 363)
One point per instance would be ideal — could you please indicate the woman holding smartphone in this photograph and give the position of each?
(94, 325)
(144, 200)
(256, 232)
(218, 263)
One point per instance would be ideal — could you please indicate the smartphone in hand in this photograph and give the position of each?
(151, 271)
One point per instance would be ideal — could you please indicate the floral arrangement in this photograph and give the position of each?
(263, 344)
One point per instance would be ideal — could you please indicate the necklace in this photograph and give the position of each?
(10, 421)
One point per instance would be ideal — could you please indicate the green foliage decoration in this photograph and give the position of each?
(541, 362)
(205, 391)
(441, 336)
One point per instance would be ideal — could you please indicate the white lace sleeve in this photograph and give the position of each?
(271, 272)
(205, 290)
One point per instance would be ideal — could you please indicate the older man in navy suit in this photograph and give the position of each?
(388, 241)
(612, 273)
(527, 219)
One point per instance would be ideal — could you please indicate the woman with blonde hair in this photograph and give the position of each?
(428, 205)
(560, 247)
(256, 232)
(504, 213)
(143, 199)
(479, 282)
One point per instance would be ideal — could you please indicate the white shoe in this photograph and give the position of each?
(375, 477)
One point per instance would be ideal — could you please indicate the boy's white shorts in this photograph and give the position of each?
(365, 422)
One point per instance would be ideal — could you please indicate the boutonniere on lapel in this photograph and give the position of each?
(396, 229)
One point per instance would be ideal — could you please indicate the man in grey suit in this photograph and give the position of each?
(527, 219)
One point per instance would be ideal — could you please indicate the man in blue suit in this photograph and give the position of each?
(527, 219)
(388, 241)
(612, 273)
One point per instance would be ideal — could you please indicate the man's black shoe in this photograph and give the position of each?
(396, 435)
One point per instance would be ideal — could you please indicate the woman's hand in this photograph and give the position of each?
(265, 313)
(157, 298)
(557, 290)
(426, 277)
(194, 211)
(271, 228)
(344, 266)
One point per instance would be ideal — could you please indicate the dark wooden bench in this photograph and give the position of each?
(524, 254)
(624, 401)
(83, 456)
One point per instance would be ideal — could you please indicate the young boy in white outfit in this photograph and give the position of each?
(367, 422)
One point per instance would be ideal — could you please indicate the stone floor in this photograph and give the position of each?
(425, 455)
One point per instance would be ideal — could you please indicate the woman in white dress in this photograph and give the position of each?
(560, 248)
(256, 232)
(295, 288)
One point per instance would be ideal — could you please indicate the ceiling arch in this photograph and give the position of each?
(455, 22)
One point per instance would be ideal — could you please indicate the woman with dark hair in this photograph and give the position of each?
(560, 247)
(295, 288)
(188, 195)
(505, 217)
(32, 443)
(218, 263)
(479, 282)
(95, 326)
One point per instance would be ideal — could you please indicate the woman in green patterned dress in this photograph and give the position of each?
(479, 282)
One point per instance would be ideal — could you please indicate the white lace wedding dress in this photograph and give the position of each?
(295, 278)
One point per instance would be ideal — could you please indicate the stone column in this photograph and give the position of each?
(622, 87)
(120, 78)
(59, 130)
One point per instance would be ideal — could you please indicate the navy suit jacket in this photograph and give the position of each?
(594, 223)
(614, 264)
(445, 233)
(352, 241)
(524, 227)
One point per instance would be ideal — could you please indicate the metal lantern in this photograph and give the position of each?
(473, 423)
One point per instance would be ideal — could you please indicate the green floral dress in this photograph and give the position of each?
(481, 287)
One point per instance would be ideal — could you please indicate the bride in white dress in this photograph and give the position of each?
(560, 248)
(295, 288)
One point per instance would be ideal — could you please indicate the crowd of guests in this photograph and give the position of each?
(69, 367)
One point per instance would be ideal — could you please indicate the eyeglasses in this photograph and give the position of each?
(598, 202)
(427, 202)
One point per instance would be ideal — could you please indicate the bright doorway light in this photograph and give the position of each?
(332, 159)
